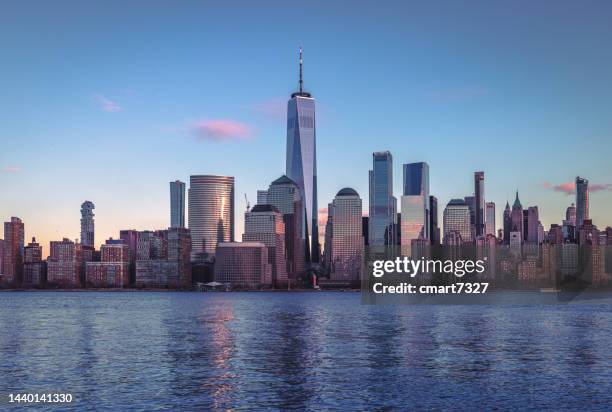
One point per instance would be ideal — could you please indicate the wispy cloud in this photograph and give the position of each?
(10, 169)
(221, 130)
(107, 105)
(569, 188)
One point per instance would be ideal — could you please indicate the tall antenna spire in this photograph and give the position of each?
(301, 79)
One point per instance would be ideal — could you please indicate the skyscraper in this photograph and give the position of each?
(177, 204)
(479, 203)
(285, 195)
(211, 213)
(14, 239)
(302, 159)
(415, 204)
(582, 201)
(383, 206)
(87, 224)
(456, 220)
(507, 223)
(517, 216)
(490, 219)
(532, 224)
(34, 269)
(346, 236)
(434, 229)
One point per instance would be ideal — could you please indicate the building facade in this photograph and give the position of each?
(415, 207)
(383, 205)
(177, 204)
(12, 262)
(346, 236)
(264, 223)
(243, 265)
(87, 224)
(479, 203)
(301, 160)
(456, 221)
(211, 214)
(582, 201)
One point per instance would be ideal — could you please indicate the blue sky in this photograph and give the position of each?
(110, 101)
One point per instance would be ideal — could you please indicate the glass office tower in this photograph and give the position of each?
(211, 213)
(415, 206)
(177, 204)
(383, 206)
(479, 203)
(302, 160)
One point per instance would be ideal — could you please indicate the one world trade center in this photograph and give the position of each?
(302, 160)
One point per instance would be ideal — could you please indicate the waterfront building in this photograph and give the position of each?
(383, 205)
(243, 265)
(346, 236)
(34, 269)
(177, 204)
(415, 206)
(301, 159)
(490, 218)
(479, 203)
(471, 202)
(64, 265)
(130, 238)
(87, 224)
(264, 223)
(113, 270)
(12, 262)
(211, 214)
(179, 250)
(157, 273)
(582, 201)
(456, 221)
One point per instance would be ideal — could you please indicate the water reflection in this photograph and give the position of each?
(300, 351)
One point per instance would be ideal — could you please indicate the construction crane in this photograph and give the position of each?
(248, 205)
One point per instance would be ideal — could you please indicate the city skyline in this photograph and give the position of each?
(135, 124)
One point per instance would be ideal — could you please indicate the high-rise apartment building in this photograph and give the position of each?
(301, 160)
(211, 214)
(34, 269)
(87, 224)
(12, 262)
(177, 204)
(383, 205)
(582, 201)
(490, 218)
(64, 264)
(113, 270)
(533, 223)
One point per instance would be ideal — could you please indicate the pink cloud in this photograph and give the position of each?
(569, 188)
(107, 105)
(221, 130)
(10, 169)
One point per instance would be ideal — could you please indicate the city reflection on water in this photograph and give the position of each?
(220, 351)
